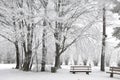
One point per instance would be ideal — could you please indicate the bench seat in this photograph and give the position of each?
(78, 68)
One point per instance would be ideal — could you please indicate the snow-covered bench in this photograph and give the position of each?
(78, 68)
(114, 70)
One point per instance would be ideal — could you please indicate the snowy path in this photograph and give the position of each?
(6, 73)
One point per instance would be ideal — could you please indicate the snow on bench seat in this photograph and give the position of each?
(79, 68)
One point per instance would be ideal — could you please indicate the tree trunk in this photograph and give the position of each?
(57, 62)
(102, 62)
(17, 55)
(85, 62)
(58, 34)
(36, 60)
(57, 56)
(28, 53)
(103, 42)
(107, 64)
(27, 61)
(66, 61)
(22, 57)
(95, 62)
(75, 62)
(44, 51)
(44, 48)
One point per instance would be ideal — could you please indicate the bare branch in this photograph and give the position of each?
(6, 38)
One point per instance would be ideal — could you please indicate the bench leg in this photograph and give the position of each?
(111, 75)
(87, 73)
(73, 72)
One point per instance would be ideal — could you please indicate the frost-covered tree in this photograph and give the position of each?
(18, 19)
(104, 7)
(116, 32)
(67, 14)
(8, 25)
(44, 47)
(27, 26)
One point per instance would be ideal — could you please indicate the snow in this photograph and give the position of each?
(7, 73)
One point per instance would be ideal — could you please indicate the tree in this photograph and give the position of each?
(19, 17)
(28, 24)
(104, 5)
(103, 41)
(66, 32)
(116, 32)
(44, 47)
(31, 19)
(8, 23)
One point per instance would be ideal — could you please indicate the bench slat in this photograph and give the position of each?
(115, 67)
(113, 72)
(81, 66)
(80, 71)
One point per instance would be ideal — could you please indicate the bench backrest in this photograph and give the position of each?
(115, 69)
(77, 67)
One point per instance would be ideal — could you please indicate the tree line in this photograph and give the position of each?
(27, 24)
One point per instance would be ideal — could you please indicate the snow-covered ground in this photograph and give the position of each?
(8, 73)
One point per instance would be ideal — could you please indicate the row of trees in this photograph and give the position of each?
(31, 24)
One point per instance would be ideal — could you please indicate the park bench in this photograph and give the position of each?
(79, 68)
(114, 70)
